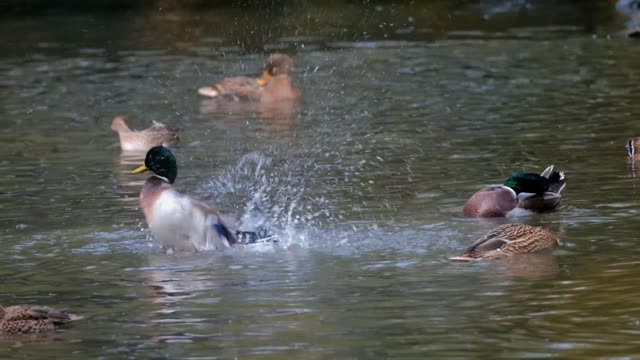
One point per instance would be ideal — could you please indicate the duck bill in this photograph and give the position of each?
(266, 76)
(140, 169)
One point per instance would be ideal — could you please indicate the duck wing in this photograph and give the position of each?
(234, 88)
(217, 232)
(493, 240)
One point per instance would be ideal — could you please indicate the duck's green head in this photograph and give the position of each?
(527, 182)
(161, 162)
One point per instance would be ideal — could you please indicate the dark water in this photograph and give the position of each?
(407, 111)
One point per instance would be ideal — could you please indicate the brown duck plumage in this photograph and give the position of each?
(276, 84)
(499, 200)
(143, 140)
(508, 240)
(28, 319)
(494, 201)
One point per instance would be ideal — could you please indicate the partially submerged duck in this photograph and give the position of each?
(508, 240)
(525, 190)
(31, 319)
(633, 148)
(179, 222)
(276, 84)
(143, 140)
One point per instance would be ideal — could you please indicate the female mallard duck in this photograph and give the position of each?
(177, 221)
(526, 190)
(275, 84)
(28, 319)
(141, 141)
(507, 240)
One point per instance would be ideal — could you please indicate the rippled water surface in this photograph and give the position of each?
(407, 110)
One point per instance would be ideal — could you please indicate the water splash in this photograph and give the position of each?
(272, 194)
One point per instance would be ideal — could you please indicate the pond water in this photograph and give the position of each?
(407, 111)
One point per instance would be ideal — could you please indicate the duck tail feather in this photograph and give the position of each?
(253, 237)
(547, 172)
(209, 91)
(462, 258)
(557, 182)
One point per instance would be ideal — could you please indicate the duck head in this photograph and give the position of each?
(161, 162)
(277, 64)
(527, 182)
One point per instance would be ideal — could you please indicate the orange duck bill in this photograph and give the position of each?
(266, 76)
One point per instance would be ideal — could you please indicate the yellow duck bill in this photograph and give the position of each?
(140, 169)
(266, 76)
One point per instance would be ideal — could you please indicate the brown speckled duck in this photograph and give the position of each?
(276, 84)
(142, 141)
(30, 319)
(525, 190)
(508, 240)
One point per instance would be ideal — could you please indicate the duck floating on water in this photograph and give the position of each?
(142, 141)
(31, 319)
(179, 222)
(633, 148)
(525, 190)
(276, 84)
(508, 240)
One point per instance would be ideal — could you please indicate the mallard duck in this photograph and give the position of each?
(178, 222)
(508, 240)
(141, 141)
(526, 190)
(28, 319)
(633, 148)
(275, 84)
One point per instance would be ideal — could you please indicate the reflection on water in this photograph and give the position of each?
(530, 266)
(277, 119)
(408, 110)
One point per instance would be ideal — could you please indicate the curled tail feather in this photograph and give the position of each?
(557, 180)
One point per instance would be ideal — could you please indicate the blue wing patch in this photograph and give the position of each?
(223, 231)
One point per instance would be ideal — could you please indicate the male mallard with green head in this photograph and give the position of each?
(177, 221)
(276, 84)
(526, 190)
(508, 240)
(142, 141)
(29, 319)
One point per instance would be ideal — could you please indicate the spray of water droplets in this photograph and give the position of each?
(273, 194)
